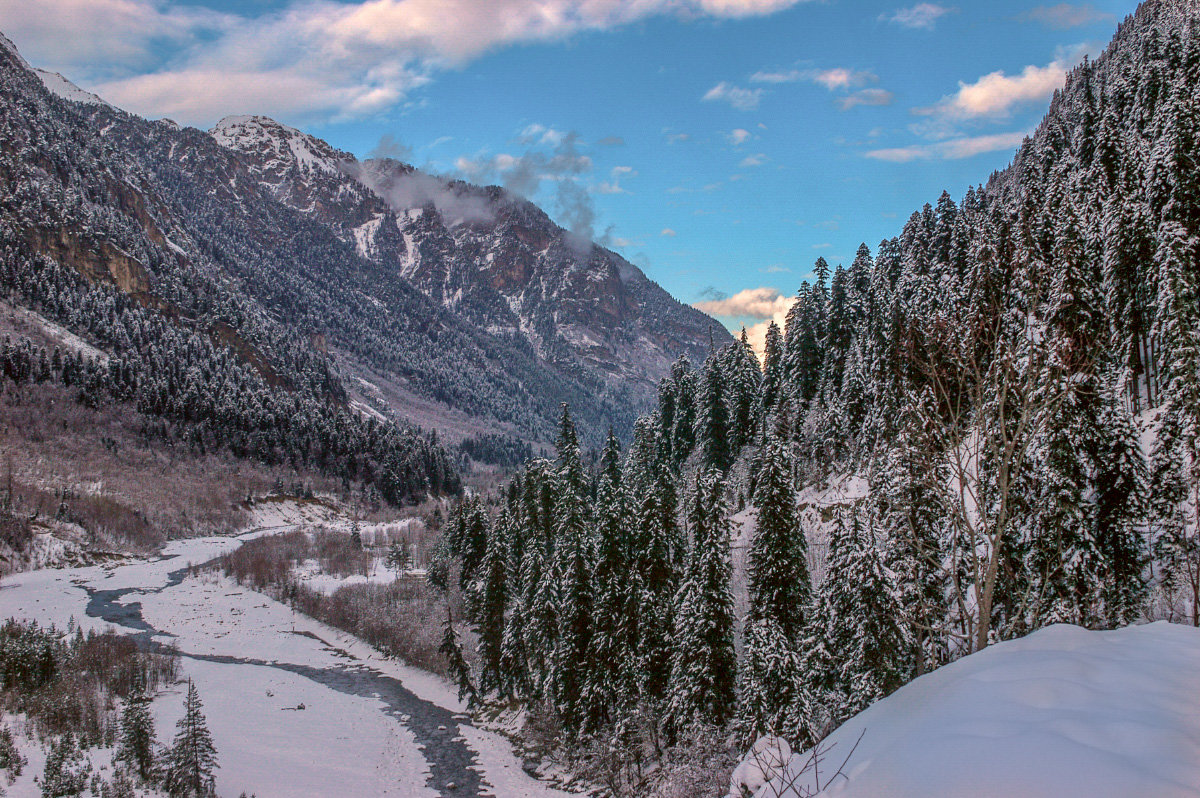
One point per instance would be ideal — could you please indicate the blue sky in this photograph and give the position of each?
(721, 145)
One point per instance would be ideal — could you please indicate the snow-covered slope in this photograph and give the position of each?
(1061, 713)
(64, 88)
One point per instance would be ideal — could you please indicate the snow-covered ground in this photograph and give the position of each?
(296, 708)
(1062, 713)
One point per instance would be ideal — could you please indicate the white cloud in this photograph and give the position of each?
(740, 98)
(955, 149)
(754, 303)
(668, 233)
(841, 78)
(540, 134)
(922, 16)
(1065, 15)
(996, 94)
(738, 136)
(613, 185)
(758, 159)
(309, 59)
(102, 35)
(865, 97)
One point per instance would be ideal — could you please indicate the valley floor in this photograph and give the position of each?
(296, 708)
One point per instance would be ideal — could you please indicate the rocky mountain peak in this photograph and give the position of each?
(278, 147)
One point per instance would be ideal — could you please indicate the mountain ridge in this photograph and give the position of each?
(372, 261)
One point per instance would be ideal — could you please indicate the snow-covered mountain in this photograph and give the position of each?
(463, 307)
(489, 256)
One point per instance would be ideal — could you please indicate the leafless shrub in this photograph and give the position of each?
(402, 619)
(267, 561)
(698, 766)
(805, 780)
(339, 557)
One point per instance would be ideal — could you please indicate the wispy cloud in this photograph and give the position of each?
(740, 98)
(955, 149)
(922, 16)
(758, 159)
(1066, 15)
(668, 233)
(836, 79)
(866, 97)
(307, 58)
(833, 79)
(738, 136)
(779, 76)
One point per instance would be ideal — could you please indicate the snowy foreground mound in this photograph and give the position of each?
(1063, 712)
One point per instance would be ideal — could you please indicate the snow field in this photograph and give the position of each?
(1063, 712)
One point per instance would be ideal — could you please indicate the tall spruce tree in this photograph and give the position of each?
(490, 597)
(780, 596)
(191, 760)
(744, 380)
(861, 610)
(712, 421)
(574, 563)
(612, 680)
(1175, 471)
(135, 748)
(780, 588)
(703, 674)
(906, 512)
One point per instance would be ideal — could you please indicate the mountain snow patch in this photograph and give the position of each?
(64, 88)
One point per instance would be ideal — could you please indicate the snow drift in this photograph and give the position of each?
(1063, 712)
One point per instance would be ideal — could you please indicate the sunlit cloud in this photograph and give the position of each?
(997, 94)
(317, 59)
(753, 303)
